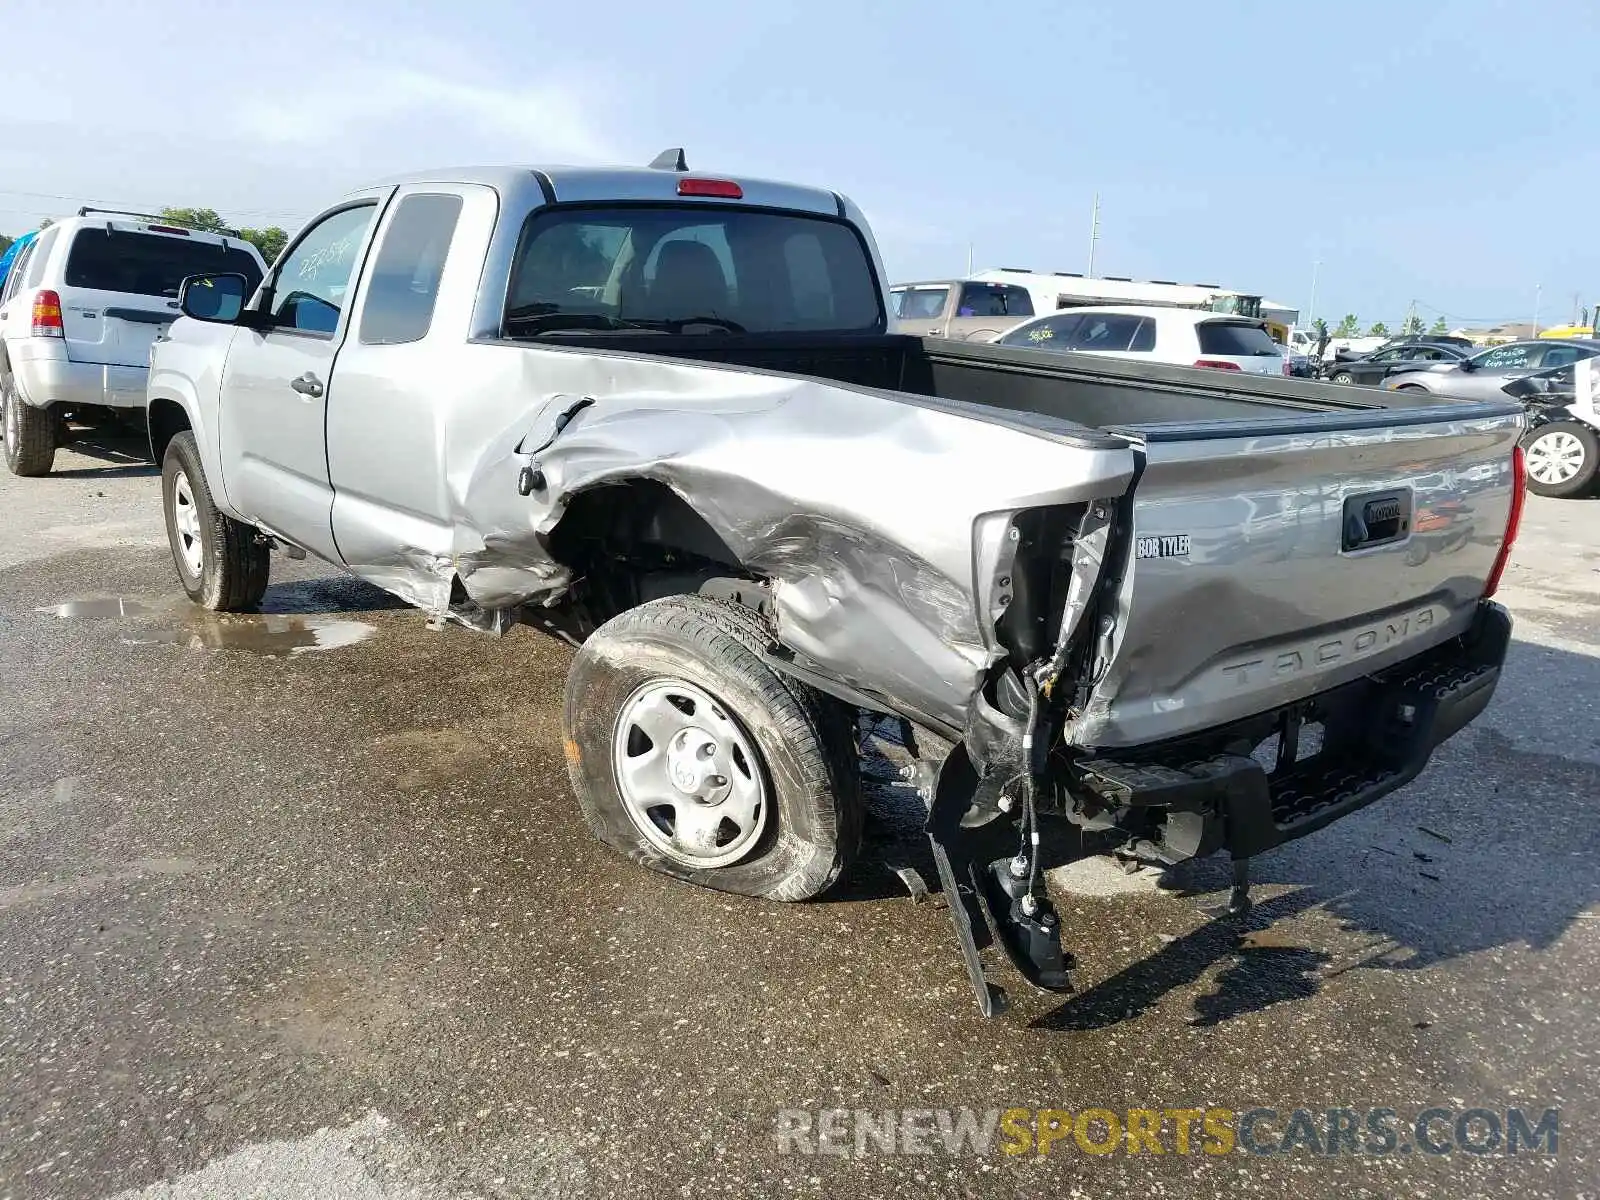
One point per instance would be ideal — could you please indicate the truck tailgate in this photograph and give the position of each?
(1267, 561)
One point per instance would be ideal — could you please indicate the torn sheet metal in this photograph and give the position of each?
(866, 510)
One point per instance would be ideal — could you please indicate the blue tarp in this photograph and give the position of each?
(11, 253)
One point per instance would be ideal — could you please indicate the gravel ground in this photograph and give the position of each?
(300, 905)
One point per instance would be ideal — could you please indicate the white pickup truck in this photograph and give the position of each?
(661, 412)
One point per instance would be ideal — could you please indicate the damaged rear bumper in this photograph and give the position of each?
(1377, 734)
(1212, 792)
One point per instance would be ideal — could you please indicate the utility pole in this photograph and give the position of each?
(1094, 232)
(1311, 309)
(1538, 297)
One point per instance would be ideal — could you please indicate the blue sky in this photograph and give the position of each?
(1447, 153)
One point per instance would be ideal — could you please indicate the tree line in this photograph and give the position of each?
(1350, 326)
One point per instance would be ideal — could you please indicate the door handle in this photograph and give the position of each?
(307, 385)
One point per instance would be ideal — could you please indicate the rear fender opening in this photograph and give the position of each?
(632, 542)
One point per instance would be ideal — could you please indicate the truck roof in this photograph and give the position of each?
(569, 184)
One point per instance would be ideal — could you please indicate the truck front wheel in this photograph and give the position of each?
(692, 756)
(30, 433)
(221, 562)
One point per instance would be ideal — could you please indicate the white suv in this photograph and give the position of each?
(1146, 333)
(82, 305)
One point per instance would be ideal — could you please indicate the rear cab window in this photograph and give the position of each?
(149, 264)
(1236, 338)
(698, 268)
(994, 300)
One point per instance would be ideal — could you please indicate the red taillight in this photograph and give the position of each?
(47, 315)
(167, 229)
(1217, 364)
(723, 189)
(1287, 369)
(1519, 487)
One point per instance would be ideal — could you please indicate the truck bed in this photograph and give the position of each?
(1092, 392)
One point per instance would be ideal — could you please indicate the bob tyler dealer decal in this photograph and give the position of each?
(1168, 545)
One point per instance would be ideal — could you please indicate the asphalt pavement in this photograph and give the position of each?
(299, 904)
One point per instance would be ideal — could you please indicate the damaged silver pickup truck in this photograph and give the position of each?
(1172, 612)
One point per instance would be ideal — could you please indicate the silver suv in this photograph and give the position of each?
(82, 305)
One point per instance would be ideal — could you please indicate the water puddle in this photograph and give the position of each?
(103, 606)
(271, 635)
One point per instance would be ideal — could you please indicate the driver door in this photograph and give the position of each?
(277, 379)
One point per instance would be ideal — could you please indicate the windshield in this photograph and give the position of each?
(691, 268)
(150, 264)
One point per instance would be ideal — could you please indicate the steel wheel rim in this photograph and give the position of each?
(688, 775)
(186, 522)
(1555, 457)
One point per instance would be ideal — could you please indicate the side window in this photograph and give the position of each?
(1144, 338)
(1559, 356)
(1387, 356)
(404, 282)
(1105, 331)
(1053, 333)
(1505, 356)
(41, 255)
(313, 279)
(19, 268)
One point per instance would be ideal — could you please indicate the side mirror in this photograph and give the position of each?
(1467, 365)
(216, 298)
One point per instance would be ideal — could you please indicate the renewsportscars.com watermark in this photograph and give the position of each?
(1212, 1131)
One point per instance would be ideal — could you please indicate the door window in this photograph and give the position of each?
(1105, 331)
(312, 282)
(1506, 356)
(1560, 356)
(1052, 333)
(923, 303)
(404, 283)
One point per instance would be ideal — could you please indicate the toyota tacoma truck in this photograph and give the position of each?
(660, 413)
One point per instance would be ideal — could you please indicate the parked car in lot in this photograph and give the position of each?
(1562, 444)
(1484, 375)
(958, 308)
(1372, 369)
(81, 306)
(661, 411)
(1145, 333)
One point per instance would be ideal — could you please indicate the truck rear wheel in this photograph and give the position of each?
(222, 563)
(1562, 458)
(30, 433)
(693, 757)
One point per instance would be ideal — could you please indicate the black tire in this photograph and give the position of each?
(804, 742)
(1583, 479)
(1344, 377)
(30, 433)
(233, 561)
